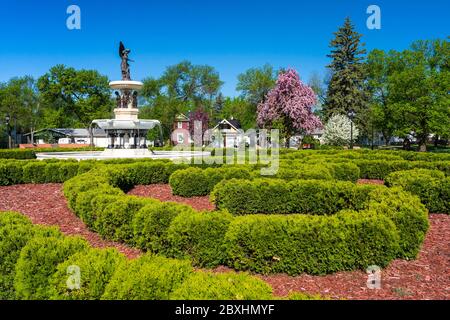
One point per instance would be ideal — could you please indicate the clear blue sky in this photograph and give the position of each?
(228, 35)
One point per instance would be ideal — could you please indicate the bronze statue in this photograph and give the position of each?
(135, 99)
(125, 66)
(118, 99)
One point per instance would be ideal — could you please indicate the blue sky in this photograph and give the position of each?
(231, 36)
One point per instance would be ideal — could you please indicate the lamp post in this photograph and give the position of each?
(351, 114)
(8, 129)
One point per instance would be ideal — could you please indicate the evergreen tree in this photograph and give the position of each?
(346, 89)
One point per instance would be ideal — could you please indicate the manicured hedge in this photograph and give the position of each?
(96, 268)
(114, 222)
(39, 260)
(199, 235)
(432, 187)
(297, 196)
(197, 182)
(151, 224)
(408, 214)
(313, 244)
(46, 171)
(177, 231)
(147, 278)
(15, 232)
(293, 169)
(47, 263)
(227, 286)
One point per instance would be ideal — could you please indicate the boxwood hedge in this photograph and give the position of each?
(432, 187)
(395, 219)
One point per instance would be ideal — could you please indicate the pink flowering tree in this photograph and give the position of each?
(288, 106)
(201, 116)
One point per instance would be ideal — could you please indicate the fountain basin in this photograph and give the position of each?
(126, 85)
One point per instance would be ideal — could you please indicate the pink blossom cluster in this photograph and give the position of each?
(291, 100)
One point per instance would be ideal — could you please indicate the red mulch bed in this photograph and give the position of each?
(163, 192)
(370, 181)
(45, 204)
(428, 277)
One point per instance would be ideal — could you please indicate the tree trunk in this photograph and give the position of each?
(91, 137)
(423, 143)
(423, 147)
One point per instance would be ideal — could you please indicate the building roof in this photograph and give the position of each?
(72, 132)
(181, 117)
(235, 124)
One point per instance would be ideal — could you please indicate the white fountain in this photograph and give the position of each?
(126, 133)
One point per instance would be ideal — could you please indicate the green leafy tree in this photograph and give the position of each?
(75, 97)
(19, 99)
(380, 66)
(240, 109)
(419, 91)
(346, 88)
(255, 83)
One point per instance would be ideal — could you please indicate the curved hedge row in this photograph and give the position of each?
(390, 223)
(41, 263)
(197, 182)
(296, 196)
(432, 187)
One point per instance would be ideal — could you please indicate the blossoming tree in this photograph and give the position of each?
(288, 105)
(337, 131)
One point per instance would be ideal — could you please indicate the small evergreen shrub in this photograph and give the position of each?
(147, 278)
(200, 236)
(114, 222)
(151, 223)
(96, 267)
(432, 187)
(38, 260)
(313, 244)
(226, 286)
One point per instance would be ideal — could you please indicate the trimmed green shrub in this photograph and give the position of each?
(147, 278)
(114, 222)
(15, 231)
(258, 196)
(34, 172)
(313, 244)
(96, 267)
(297, 196)
(199, 235)
(432, 187)
(345, 171)
(151, 222)
(38, 261)
(10, 173)
(408, 214)
(189, 182)
(84, 208)
(197, 182)
(225, 286)
(319, 172)
(81, 183)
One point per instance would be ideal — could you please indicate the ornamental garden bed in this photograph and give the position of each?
(310, 218)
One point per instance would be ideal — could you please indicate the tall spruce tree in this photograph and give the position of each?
(346, 89)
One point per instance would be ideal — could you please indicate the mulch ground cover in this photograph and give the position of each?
(427, 277)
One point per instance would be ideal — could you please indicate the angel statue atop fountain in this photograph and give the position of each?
(125, 66)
